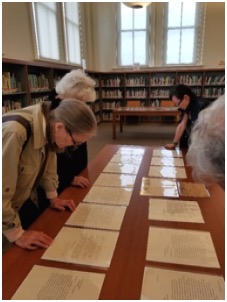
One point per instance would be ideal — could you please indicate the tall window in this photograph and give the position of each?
(72, 24)
(57, 31)
(182, 32)
(133, 33)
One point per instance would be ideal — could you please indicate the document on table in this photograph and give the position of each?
(162, 284)
(167, 153)
(158, 187)
(126, 159)
(59, 284)
(130, 151)
(174, 210)
(97, 216)
(192, 189)
(167, 172)
(167, 161)
(115, 180)
(181, 247)
(83, 246)
(121, 168)
(109, 195)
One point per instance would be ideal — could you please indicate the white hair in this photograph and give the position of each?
(206, 153)
(82, 85)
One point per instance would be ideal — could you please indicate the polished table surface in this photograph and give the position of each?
(140, 111)
(124, 276)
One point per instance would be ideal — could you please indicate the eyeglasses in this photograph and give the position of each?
(75, 143)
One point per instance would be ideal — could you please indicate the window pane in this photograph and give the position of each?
(140, 18)
(188, 14)
(173, 46)
(126, 17)
(126, 48)
(73, 43)
(72, 11)
(174, 14)
(140, 47)
(187, 52)
(46, 20)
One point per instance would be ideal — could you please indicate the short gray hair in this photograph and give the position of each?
(83, 86)
(76, 116)
(206, 153)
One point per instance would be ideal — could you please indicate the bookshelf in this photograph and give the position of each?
(26, 83)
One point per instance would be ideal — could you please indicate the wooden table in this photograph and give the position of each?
(140, 111)
(124, 276)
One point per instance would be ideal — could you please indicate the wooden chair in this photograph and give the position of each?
(133, 119)
(166, 104)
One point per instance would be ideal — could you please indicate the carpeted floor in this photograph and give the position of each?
(144, 134)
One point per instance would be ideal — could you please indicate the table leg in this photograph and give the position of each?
(121, 123)
(114, 126)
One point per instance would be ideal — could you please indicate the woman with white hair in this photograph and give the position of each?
(206, 153)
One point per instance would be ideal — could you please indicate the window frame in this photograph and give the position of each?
(198, 38)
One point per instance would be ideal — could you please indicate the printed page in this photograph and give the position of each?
(181, 247)
(109, 195)
(83, 246)
(158, 187)
(121, 168)
(167, 172)
(167, 161)
(59, 284)
(190, 189)
(97, 216)
(162, 284)
(174, 210)
(126, 159)
(167, 153)
(115, 180)
(130, 151)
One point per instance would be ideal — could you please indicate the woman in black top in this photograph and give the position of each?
(188, 105)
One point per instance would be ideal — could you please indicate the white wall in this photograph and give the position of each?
(99, 33)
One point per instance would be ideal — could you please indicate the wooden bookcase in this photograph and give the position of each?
(25, 83)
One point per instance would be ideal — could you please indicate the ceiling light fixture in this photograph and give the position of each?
(136, 4)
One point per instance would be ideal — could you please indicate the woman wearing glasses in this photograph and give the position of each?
(74, 85)
(52, 129)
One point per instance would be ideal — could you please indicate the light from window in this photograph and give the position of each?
(72, 32)
(181, 33)
(132, 35)
(45, 14)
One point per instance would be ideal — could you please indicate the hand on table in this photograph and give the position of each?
(60, 204)
(32, 240)
(80, 181)
(170, 146)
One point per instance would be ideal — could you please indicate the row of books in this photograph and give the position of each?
(8, 105)
(215, 80)
(136, 93)
(110, 105)
(136, 81)
(213, 92)
(9, 83)
(113, 82)
(112, 93)
(162, 81)
(38, 82)
(190, 79)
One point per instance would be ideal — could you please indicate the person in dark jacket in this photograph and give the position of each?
(188, 105)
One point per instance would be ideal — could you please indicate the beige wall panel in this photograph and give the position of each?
(17, 42)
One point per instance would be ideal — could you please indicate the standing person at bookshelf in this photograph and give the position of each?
(188, 105)
(53, 128)
(206, 153)
(74, 85)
